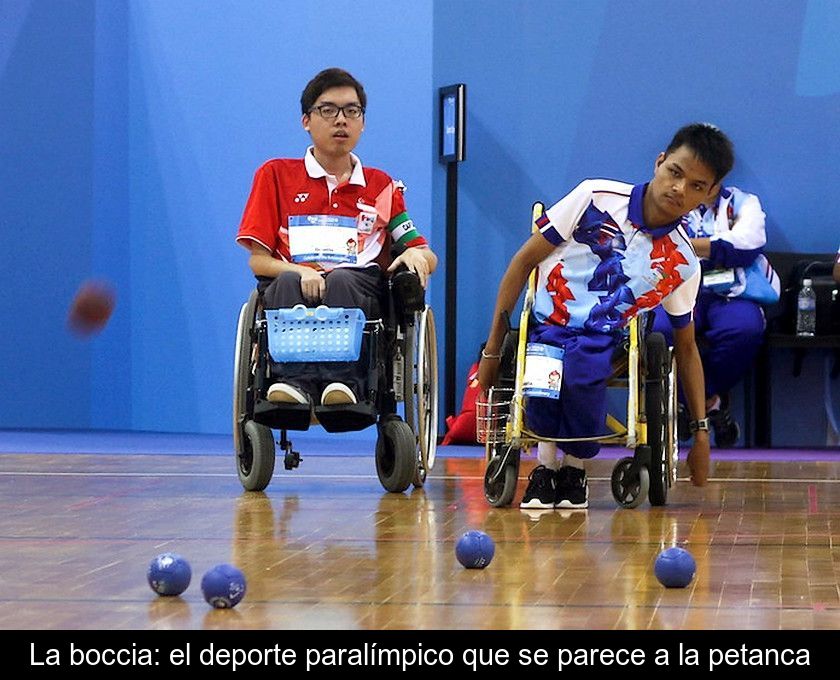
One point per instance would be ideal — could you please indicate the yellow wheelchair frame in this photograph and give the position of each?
(651, 430)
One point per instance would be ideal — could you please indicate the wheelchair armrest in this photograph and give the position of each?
(409, 294)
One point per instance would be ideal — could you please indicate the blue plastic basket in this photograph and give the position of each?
(319, 334)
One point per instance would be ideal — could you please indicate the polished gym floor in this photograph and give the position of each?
(326, 547)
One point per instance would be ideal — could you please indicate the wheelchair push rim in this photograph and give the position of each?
(420, 395)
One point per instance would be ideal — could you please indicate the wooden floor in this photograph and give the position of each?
(326, 547)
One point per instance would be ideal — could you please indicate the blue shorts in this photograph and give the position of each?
(581, 410)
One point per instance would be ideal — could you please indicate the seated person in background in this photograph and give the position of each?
(320, 230)
(604, 253)
(836, 270)
(728, 234)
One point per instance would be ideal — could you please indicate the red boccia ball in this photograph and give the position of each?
(91, 308)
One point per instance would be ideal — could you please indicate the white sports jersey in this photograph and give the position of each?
(736, 218)
(608, 265)
(735, 227)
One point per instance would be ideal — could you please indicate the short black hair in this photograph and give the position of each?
(326, 79)
(709, 144)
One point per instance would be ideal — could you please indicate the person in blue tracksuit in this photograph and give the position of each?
(728, 234)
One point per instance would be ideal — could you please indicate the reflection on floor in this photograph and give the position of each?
(325, 547)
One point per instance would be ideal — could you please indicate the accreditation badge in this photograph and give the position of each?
(543, 370)
(325, 239)
(719, 280)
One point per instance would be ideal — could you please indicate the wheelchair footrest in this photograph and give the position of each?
(282, 416)
(346, 417)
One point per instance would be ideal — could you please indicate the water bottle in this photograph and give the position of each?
(806, 310)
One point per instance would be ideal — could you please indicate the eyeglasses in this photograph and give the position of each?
(332, 110)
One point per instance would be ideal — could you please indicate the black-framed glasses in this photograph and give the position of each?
(332, 110)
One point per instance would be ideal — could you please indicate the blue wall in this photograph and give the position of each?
(130, 131)
(560, 91)
(128, 155)
(46, 208)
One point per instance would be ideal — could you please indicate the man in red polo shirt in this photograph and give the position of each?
(320, 228)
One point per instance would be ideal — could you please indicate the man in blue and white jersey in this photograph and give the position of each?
(605, 252)
(728, 234)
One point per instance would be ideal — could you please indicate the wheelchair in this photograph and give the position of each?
(642, 364)
(398, 356)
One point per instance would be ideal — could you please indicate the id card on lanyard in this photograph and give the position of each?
(543, 370)
(323, 238)
(719, 280)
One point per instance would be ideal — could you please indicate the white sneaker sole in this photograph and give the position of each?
(568, 505)
(536, 504)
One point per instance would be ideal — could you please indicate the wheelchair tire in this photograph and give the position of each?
(628, 488)
(500, 491)
(242, 374)
(661, 416)
(396, 455)
(256, 462)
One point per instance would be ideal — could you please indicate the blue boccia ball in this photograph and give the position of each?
(223, 586)
(169, 574)
(475, 549)
(674, 567)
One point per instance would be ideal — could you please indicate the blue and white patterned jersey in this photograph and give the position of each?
(735, 227)
(608, 265)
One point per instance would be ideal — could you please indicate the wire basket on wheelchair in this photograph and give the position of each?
(492, 413)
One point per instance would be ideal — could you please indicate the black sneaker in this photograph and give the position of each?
(572, 489)
(542, 489)
(726, 430)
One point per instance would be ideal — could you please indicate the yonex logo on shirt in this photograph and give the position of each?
(300, 198)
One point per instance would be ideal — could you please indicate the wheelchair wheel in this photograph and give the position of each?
(396, 455)
(501, 475)
(243, 375)
(256, 463)
(661, 410)
(630, 483)
(420, 389)
(253, 443)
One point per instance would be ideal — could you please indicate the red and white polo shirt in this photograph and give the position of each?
(298, 212)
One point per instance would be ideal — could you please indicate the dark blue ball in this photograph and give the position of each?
(223, 586)
(674, 567)
(475, 549)
(169, 574)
